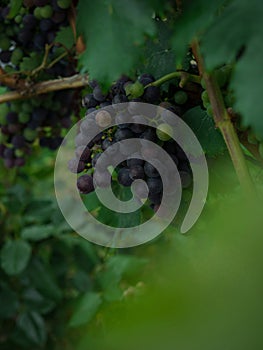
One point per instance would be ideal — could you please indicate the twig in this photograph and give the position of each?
(184, 78)
(9, 80)
(223, 122)
(73, 82)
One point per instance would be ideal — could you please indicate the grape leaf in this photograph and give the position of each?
(31, 62)
(15, 6)
(65, 37)
(9, 302)
(41, 277)
(231, 37)
(37, 233)
(113, 32)
(197, 15)
(116, 267)
(203, 126)
(247, 81)
(33, 326)
(15, 256)
(87, 308)
(34, 301)
(159, 57)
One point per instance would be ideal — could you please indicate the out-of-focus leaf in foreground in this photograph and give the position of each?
(206, 292)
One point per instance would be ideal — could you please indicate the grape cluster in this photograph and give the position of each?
(34, 25)
(129, 126)
(25, 123)
(23, 39)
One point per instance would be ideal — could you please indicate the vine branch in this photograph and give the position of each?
(73, 82)
(223, 122)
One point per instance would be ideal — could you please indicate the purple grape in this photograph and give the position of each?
(85, 184)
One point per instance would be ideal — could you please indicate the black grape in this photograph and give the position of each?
(150, 170)
(124, 177)
(85, 184)
(123, 134)
(151, 94)
(155, 185)
(136, 172)
(146, 79)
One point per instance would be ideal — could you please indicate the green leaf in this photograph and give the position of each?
(33, 327)
(65, 37)
(113, 32)
(159, 57)
(9, 302)
(247, 84)
(39, 211)
(34, 301)
(203, 126)
(42, 278)
(88, 306)
(229, 30)
(15, 256)
(31, 62)
(81, 281)
(196, 17)
(116, 267)
(15, 6)
(37, 233)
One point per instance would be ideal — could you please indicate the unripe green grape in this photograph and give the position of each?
(46, 11)
(15, 107)
(180, 97)
(22, 10)
(3, 137)
(203, 84)
(205, 99)
(29, 134)
(26, 107)
(260, 149)
(163, 131)
(209, 111)
(17, 56)
(64, 4)
(204, 96)
(3, 110)
(19, 153)
(23, 117)
(3, 120)
(4, 43)
(18, 19)
(134, 90)
(37, 12)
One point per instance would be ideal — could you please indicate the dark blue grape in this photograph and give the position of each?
(85, 184)
(124, 177)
